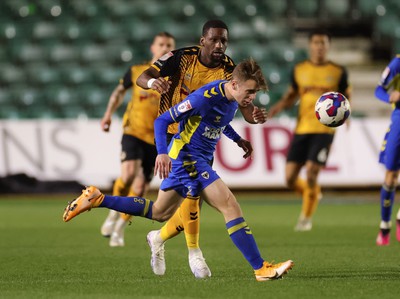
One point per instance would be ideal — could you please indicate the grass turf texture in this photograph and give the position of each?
(42, 257)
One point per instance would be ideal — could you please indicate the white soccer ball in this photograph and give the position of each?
(332, 109)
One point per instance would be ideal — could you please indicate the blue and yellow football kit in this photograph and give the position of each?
(202, 117)
(390, 150)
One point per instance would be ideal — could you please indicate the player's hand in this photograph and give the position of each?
(163, 166)
(105, 124)
(247, 147)
(161, 85)
(274, 110)
(260, 115)
(394, 96)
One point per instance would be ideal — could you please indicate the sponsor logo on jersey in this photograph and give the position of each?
(184, 106)
(385, 74)
(213, 133)
(166, 56)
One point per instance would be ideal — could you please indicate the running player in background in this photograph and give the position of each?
(176, 75)
(388, 91)
(184, 164)
(138, 150)
(311, 141)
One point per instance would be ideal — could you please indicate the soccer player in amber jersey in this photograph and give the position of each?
(138, 149)
(389, 91)
(184, 164)
(175, 76)
(311, 141)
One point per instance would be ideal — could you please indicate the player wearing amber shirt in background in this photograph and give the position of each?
(311, 141)
(138, 149)
(175, 75)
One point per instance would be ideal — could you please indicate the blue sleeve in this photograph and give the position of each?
(160, 131)
(231, 133)
(382, 94)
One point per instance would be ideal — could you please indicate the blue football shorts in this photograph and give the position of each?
(390, 150)
(189, 178)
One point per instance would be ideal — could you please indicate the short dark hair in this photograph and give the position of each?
(319, 31)
(249, 70)
(164, 34)
(214, 24)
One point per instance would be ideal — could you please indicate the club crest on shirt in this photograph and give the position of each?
(184, 106)
(205, 175)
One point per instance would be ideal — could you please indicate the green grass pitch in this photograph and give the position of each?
(42, 257)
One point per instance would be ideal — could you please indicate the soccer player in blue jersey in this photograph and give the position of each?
(388, 91)
(184, 164)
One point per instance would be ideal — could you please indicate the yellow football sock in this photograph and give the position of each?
(190, 212)
(300, 185)
(310, 200)
(120, 188)
(124, 216)
(173, 226)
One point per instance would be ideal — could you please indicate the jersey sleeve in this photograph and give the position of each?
(126, 81)
(344, 82)
(390, 72)
(168, 64)
(231, 133)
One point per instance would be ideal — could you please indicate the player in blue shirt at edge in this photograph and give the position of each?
(389, 91)
(184, 164)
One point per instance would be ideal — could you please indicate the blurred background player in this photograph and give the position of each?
(188, 69)
(311, 141)
(138, 150)
(197, 115)
(389, 91)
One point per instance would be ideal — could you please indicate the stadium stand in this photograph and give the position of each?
(50, 47)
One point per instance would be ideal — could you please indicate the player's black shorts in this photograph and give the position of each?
(314, 147)
(135, 149)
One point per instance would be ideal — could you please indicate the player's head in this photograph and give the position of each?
(214, 41)
(163, 42)
(319, 42)
(247, 80)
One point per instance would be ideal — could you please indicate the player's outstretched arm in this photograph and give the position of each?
(151, 79)
(116, 99)
(286, 102)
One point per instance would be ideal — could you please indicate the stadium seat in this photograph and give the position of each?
(275, 8)
(45, 30)
(28, 53)
(64, 53)
(93, 53)
(76, 75)
(336, 8)
(389, 25)
(306, 8)
(368, 8)
(271, 30)
(11, 74)
(42, 74)
(5, 97)
(10, 112)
